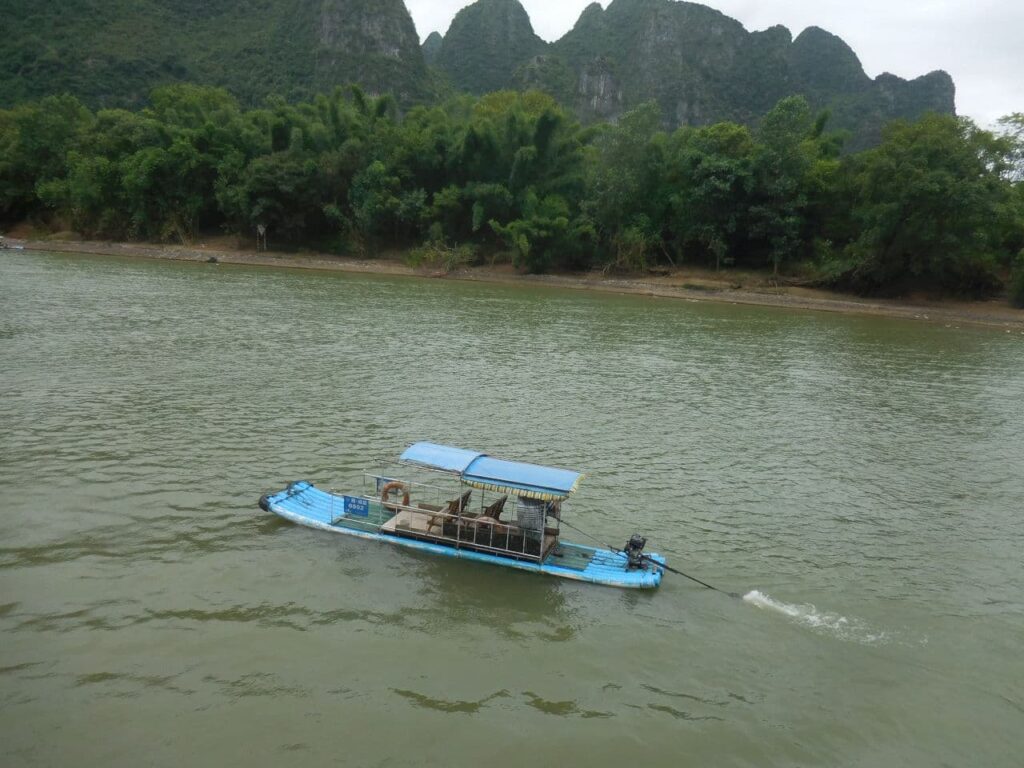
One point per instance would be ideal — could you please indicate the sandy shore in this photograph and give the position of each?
(690, 285)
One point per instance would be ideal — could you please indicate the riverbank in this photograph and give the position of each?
(686, 284)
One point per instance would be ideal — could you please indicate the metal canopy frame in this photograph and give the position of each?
(464, 529)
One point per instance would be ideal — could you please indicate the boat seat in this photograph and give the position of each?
(494, 511)
(454, 508)
(458, 506)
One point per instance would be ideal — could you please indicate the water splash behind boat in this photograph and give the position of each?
(825, 622)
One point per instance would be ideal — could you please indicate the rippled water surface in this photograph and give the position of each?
(860, 480)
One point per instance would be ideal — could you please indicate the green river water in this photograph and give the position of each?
(864, 475)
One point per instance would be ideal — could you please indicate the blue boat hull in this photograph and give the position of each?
(304, 504)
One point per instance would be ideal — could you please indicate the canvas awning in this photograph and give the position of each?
(441, 457)
(481, 471)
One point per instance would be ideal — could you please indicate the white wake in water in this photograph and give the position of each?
(825, 622)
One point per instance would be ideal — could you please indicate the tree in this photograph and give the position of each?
(282, 192)
(626, 196)
(791, 141)
(546, 235)
(1017, 283)
(92, 192)
(34, 143)
(712, 173)
(924, 203)
(1012, 128)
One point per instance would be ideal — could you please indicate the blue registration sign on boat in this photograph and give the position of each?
(357, 507)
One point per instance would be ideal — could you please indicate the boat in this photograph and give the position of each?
(466, 504)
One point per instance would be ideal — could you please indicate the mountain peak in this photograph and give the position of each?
(432, 47)
(934, 92)
(824, 63)
(366, 43)
(778, 33)
(486, 43)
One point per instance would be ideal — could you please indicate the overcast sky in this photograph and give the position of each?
(979, 42)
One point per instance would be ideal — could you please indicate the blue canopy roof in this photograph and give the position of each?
(481, 471)
(440, 457)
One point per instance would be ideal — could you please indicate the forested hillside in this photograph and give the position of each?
(699, 65)
(112, 53)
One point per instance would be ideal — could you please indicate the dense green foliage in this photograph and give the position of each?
(113, 53)
(1013, 130)
(940, 224)
(936, 206)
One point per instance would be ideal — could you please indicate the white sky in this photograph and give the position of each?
(979, 42)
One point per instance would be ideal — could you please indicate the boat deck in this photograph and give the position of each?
(306, 505)
(425, 525)
(330, 510)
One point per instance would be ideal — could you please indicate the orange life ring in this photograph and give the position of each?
(394, 485)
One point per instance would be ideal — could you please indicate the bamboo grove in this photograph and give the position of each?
(938, 205)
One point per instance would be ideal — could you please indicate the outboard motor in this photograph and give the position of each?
(635, 551)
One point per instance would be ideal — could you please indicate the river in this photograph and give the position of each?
(859, 479)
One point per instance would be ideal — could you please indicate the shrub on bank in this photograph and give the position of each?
(438, 254)
(1017, 284)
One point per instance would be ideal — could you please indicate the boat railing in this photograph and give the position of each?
(340, 508)
(435, 493)
(428, 518)
(464, 531)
